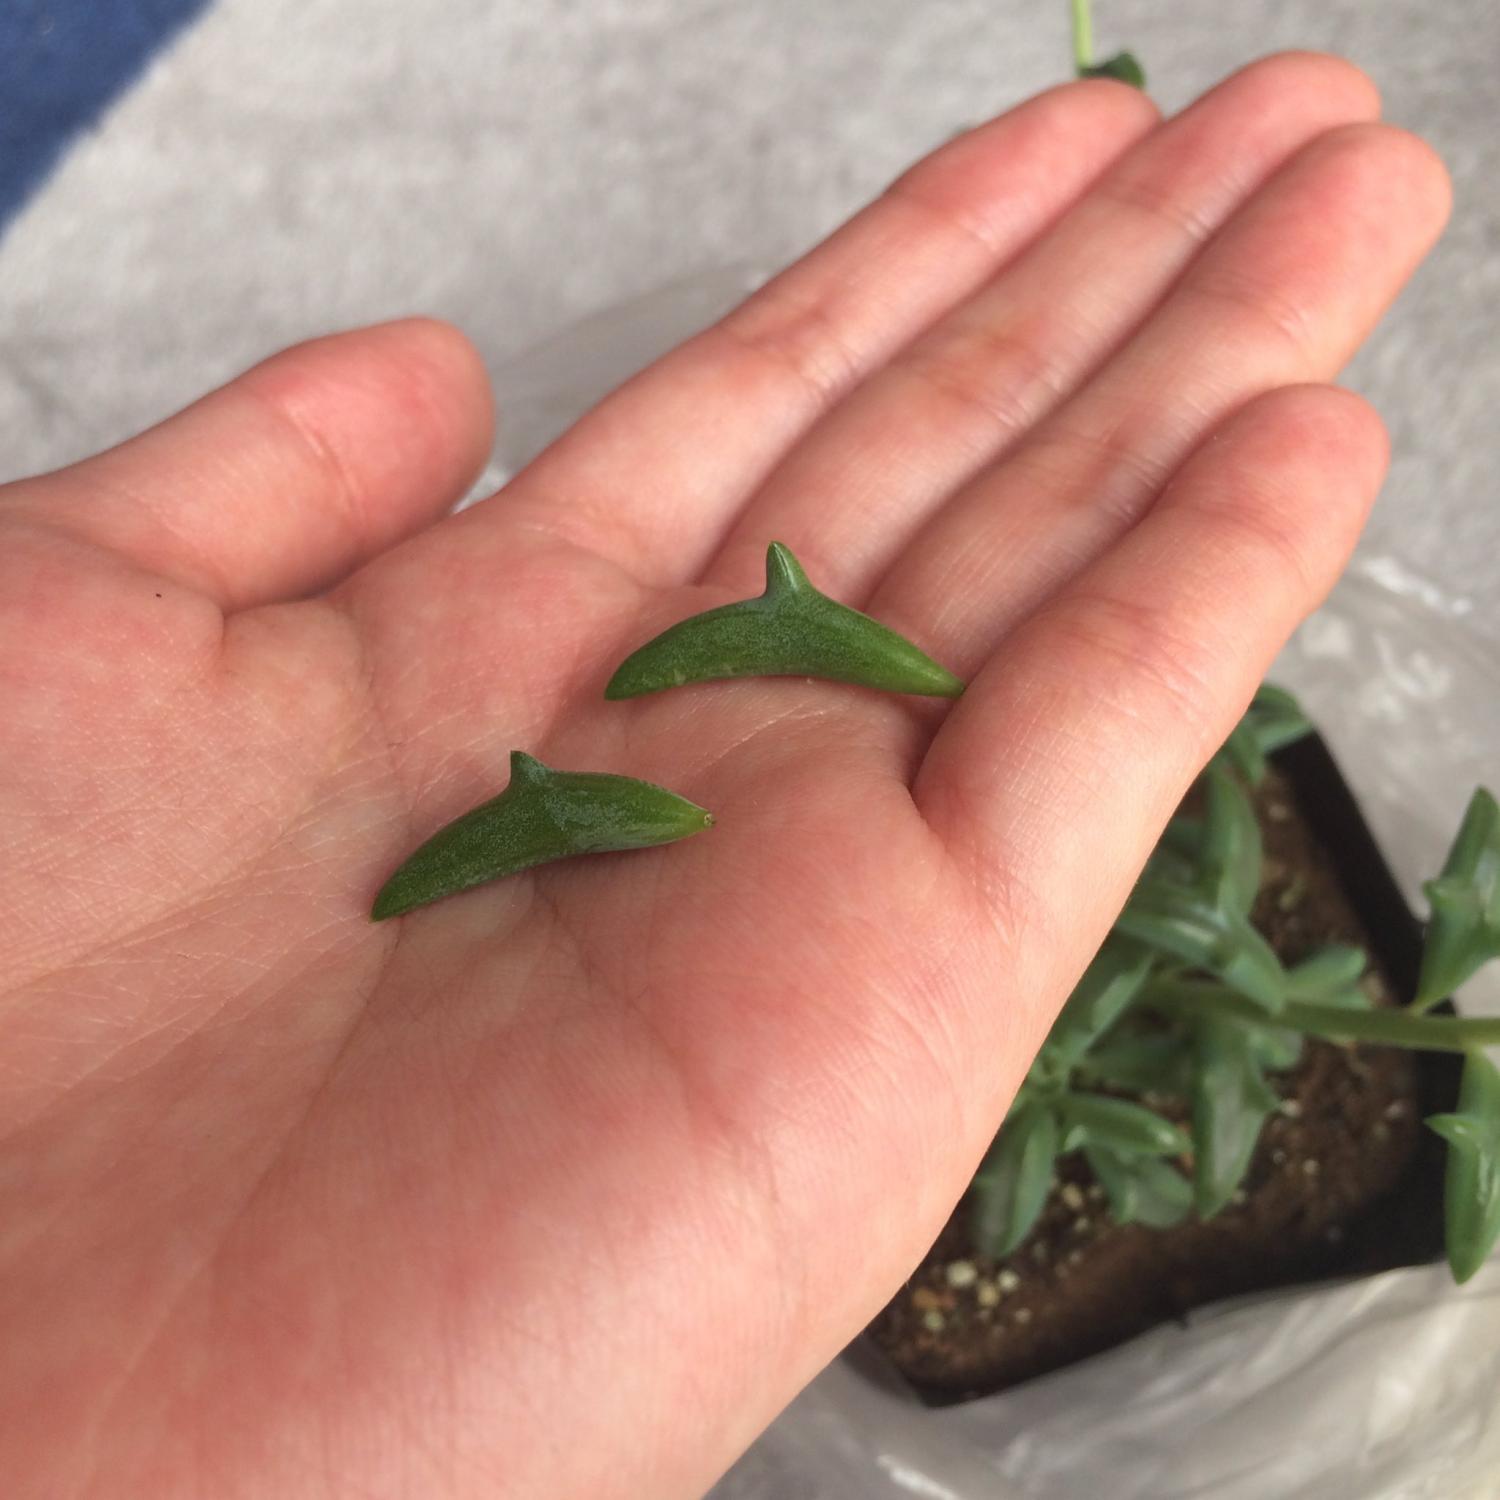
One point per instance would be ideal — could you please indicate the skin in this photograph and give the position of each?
(566, 1185)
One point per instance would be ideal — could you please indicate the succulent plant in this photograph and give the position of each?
(1185, 1000)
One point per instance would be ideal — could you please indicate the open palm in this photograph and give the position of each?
(563, 1186)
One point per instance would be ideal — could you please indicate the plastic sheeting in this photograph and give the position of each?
(1386, 1388)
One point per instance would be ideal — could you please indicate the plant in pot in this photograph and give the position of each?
(1233, 1097)
(1256, 1082)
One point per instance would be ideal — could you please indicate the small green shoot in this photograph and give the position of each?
(1463, 932)
(1122, 65)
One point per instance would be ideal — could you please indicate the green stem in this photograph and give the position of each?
(1391, 1028)
(1083, 35)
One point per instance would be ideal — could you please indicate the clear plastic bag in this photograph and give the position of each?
(1384, 1388)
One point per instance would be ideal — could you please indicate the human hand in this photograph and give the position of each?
(564, 1186)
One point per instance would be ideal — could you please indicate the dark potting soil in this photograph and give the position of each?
(1330, 1189)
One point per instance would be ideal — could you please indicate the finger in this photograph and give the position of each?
(291, 475)
(1060, 766)
(852, 493)
(651, 477)
(1284, 295)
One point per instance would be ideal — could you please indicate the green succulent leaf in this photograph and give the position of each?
(1122, 65)
(1183, 922)
(1230, 855)
(1242, 751)
(1141, 1189)
(1331, 976)
(1472, 1188)
(542, 815)
(1179, 852)
(1231, 1101)
(1118, 1125)
(790, 629)
(1150, 1062)
(1330, 972)
(1276, 718)
(1273, 721)
(1012, 1183)
(1463, 931)
(1276, 1048)
(1108, 986)
(1219, 852)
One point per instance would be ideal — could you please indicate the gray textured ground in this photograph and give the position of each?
(292, 167)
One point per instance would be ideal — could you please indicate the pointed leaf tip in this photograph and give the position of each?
(385, 906)
(784, 574)
(524, 767)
